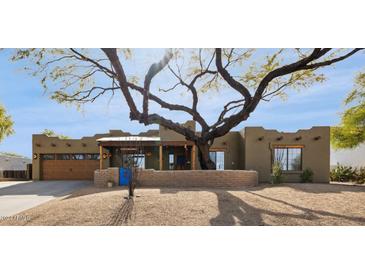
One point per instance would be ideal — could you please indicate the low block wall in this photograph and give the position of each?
(197, 178)
(102, 177)
(182, 178)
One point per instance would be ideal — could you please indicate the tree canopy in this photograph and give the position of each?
(81, 76)
(6, 124)
(51, 133)
(351, 131)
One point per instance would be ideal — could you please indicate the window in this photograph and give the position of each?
(171, 161)
(218, 158)
(94, 156)
(134, 160)
(289, 158)
(78, 156)
(63, 156)
(47, 156)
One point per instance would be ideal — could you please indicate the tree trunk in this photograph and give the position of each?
(203, 156)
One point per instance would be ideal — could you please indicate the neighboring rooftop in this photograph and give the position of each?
(10, 161)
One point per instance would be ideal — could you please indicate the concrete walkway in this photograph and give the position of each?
(18, 196)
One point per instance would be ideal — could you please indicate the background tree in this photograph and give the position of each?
(83, 76)
(351, 131)
(6, 124)
(51, 133)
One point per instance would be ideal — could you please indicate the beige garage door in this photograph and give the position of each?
(68, 169)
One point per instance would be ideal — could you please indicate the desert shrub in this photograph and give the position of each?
(306, 176)
(277, 174)
(360, 175)
(343, 173)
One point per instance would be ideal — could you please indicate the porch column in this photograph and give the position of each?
(161, 158)
(101, 157)
(193, 164)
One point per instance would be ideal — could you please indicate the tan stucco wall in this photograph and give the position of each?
(232, 145)
(170, 135)
(41, 144)
(242, 150)
(315, 155)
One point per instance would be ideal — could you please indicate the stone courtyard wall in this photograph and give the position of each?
(197, 178)
(182, 178)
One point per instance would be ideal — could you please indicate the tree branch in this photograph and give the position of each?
(196, 116)
(228, 78)
(152, 72)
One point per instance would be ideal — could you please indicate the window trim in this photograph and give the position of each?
(287, 147)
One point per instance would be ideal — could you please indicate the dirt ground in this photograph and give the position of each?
(286, 204)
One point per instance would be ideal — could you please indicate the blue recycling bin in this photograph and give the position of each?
(125, 176)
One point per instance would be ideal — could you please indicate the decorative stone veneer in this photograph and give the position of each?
(101, 177)
(114, 175)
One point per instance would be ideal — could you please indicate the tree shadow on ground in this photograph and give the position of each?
(122, 214)
(311, 213)
(235, 211)
(318, 188)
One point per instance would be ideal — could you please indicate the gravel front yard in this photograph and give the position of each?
(287, 204)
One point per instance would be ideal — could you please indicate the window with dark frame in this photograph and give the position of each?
(77, 156)
(289, 158)
(218, 158)
(93, 156)
(47, 156)
(62, 156)
(171, 161)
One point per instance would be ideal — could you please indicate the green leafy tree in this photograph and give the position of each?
(6, 124)
(81, 76)
(51, 133)
(351, 131)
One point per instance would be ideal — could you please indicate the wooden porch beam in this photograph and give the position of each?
(193, 163)
(101, 157)
(161, 158)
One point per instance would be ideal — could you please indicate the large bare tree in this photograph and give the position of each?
(196, 71)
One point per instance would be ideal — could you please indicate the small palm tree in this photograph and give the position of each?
(6, 124)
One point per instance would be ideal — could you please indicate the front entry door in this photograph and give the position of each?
(180, 162)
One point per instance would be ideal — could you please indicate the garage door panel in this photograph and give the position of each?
(68, 169)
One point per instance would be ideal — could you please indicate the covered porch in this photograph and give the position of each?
(147, 153)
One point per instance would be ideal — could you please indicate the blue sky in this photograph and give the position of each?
(33, 111)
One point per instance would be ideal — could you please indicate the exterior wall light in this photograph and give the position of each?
(35, 156)
(105, 155)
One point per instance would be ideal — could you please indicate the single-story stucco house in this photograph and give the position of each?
(253, 148)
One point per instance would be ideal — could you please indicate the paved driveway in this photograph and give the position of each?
(18, 196)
